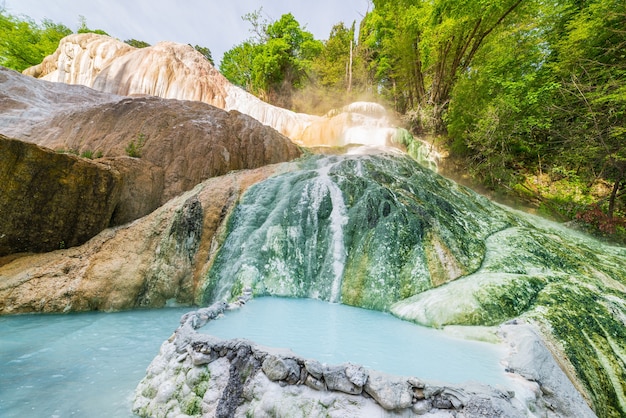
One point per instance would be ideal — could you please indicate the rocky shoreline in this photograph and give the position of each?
(197, 374)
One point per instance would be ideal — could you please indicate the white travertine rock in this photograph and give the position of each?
(178, 71)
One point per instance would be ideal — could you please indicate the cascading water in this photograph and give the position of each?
(322, 188)
(288, 238)
(367, 228)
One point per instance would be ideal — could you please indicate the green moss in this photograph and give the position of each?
(149, 392)
(236, 290)
(200, 388)
(501, 302)
(191, 405)
(593, 338)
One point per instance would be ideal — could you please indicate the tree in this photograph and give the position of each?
(84, 29)
(590, 110)
(236, 65)
(206, 52)
(137, 44)
(545, 97)
(497, 118)
(275, 63)
(418, 49)
(24, 43)
(332, 66)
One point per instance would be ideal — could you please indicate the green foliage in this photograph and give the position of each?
(332, 64)
(236, 65)
(417, 49)
(206, 52)
(135, 147)
(24, 43)
(84, 29)
(276, 63)
(547, 96)
(137, 44)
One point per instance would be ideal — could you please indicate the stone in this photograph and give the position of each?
(277, 368)
(336, 379)
(314, 383)
(142, 188)
(356, 374)
(390, 392)
(422, 407)
(314, 368)
(416, 383)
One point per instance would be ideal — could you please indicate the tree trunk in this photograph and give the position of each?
(612, 198)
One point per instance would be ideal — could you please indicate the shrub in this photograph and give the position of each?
(135, 147)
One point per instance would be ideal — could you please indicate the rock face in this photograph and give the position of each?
(174, 145)
(175, 71)
(142, 264)
(188, 141)
(166, 70)
(365, 230)
(51, 201)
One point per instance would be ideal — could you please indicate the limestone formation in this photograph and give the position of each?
(51, 201)
(358, 229)
(176, 71)
(180, 143)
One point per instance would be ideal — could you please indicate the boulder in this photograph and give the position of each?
(390, 392)
(337, 379)
(278, 368)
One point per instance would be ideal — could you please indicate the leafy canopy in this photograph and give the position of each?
(275, 62)
(24, 43)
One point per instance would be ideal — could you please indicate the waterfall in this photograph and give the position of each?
(324, 186)
(366, 228)
(287, 238)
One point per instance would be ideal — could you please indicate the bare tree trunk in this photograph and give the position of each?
(613, 198)
(350, 69)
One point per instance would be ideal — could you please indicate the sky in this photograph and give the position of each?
(216, 24)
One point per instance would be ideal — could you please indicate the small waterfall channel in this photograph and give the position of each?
(321, 189)
(288, 237)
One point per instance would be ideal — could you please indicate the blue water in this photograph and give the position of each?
(88, 365)
(78, 365)
(335, 333)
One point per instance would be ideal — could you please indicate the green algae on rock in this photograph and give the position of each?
(366, 230)
(573, 287)
(382, 232)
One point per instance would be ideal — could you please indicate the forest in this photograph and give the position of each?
(525, 98)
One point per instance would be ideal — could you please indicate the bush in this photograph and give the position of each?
(135, 147)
